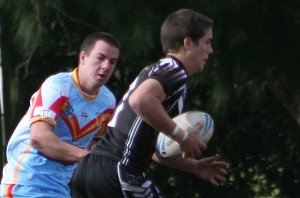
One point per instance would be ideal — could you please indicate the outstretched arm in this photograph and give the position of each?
(210, 169)
(43, 139)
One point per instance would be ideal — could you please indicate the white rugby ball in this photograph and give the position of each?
(166, 147)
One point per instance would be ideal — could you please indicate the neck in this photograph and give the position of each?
(84, 85)
(88, 91)
(182, 58)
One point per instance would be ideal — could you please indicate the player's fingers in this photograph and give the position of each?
(220, 178)
(219, 164)
(214, 182)
(217, 180)
(202, 145)
(186, 155)
(223, 171)
(198, 153)
(198, 128)
(190, 155)
(213, 159)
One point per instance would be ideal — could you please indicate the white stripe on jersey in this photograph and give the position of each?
(131, 135)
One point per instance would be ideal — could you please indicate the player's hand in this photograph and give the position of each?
(192, 147)
(211, 169)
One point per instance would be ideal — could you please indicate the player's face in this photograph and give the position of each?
(200, 52)
(101, 62)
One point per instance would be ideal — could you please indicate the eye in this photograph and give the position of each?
(113, 61)
(209, 41)
(100, 58)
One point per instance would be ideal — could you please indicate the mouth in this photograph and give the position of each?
(205, 60)
(101, 76)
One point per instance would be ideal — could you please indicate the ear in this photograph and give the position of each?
(187, 43)
(81, 57)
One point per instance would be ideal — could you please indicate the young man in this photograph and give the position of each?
(117, 164)
(65, 114)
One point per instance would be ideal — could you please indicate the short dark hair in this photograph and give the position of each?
(89, 42)
(181, 24)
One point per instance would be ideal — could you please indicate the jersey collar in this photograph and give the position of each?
(74, 76)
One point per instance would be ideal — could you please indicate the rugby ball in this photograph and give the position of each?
(166, 147)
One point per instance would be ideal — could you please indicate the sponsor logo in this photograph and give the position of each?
(84, 114)
(40, 111)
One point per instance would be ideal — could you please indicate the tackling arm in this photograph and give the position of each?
(43, 139)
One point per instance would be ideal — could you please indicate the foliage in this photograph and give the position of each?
(250, 85)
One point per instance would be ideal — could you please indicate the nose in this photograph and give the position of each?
(105, 65)
(210, 50)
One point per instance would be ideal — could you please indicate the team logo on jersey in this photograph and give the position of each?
(67, 111)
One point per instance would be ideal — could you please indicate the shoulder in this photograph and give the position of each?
(168, 66)
(168, 69)
(170, 73)
(58, 79)
(168, 61)
(59, 82)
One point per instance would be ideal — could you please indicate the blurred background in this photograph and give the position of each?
(250, 86)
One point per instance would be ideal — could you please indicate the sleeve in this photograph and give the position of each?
(47, 103)
(171, 76)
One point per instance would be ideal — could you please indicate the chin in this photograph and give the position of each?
(100, 82)
(201, 68)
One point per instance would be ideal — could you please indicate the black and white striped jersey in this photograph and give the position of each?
(130, 138)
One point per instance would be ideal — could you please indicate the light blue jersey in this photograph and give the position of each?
(76, 117)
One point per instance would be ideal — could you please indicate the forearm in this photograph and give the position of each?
(59, 150)
(146, 101)
(43, 139)
(152, 112)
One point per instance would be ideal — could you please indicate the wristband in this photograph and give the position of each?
(175, 131)
(185, 136)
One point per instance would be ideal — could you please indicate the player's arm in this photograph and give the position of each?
(43, 139)
(210, 169)
(146, 101)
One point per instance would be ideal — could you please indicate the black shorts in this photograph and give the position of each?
(96, 177)
(100, 177)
